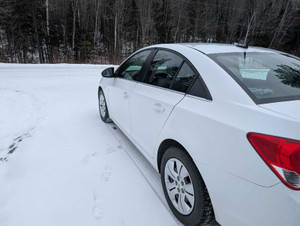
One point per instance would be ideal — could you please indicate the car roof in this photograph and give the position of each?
(213, 48)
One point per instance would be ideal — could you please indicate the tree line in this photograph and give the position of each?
(105, 31)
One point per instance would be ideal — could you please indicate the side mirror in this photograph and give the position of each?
(108, 72)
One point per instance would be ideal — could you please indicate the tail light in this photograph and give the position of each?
(281, 155)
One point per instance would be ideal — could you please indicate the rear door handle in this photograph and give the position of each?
(159, 108)
(125, 95)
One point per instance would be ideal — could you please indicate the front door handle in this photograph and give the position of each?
(159, 108)
(125, 95)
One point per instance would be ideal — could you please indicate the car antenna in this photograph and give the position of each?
(245, 44)
(242, 45)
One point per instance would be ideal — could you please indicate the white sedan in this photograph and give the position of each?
(221, 124)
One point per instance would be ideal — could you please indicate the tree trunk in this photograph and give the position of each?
(96, 20)
(74, 9)
(178, 22)
(282, 22)
(47, 17)
(249, 27)
(115, 34)
(39, 46)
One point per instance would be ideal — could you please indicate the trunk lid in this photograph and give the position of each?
(288, 108)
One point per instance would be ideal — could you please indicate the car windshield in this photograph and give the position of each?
(266, 77)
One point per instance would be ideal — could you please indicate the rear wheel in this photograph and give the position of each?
(103, 111)
(184, 188)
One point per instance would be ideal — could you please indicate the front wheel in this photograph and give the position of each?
(103, 111)
(184, 188)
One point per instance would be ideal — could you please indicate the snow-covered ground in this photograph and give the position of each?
(59, 164)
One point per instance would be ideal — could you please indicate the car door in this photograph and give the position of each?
(152, 100)
(122, 86)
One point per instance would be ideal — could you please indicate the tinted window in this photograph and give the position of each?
(268, 77)
(132, 67)
(163, 69)
(199, 89)
(184, 78)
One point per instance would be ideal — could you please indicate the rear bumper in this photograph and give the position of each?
(239, 202)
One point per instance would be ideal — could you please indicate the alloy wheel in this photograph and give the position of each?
(179, 186)
(102, 105)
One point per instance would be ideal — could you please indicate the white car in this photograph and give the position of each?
(221, 124)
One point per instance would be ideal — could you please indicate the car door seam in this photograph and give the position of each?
(166, 122)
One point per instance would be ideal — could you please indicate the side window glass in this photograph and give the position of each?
(132, 67)
(184, 78)
(163, 69)
(199, 89)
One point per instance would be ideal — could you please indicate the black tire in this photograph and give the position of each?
(202, 212)
(104, 116)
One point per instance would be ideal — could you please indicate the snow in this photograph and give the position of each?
(59, 164)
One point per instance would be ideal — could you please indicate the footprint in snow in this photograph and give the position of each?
(98, 209)
(107, 173)
(88, 157)
(113, 149)
(15, 144)
(122, 222)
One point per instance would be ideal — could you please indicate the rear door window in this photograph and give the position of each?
(185, 77)
(163, 69)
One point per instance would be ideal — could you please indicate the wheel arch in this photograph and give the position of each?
(99, 89)
(173, 143)
(164, 146)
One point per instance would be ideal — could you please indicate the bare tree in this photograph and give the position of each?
(47, 17)
(74, 11)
